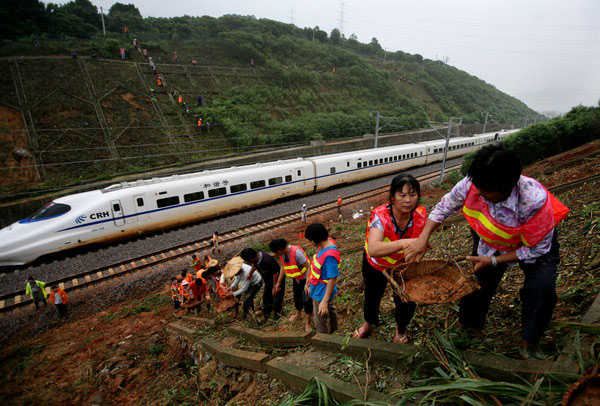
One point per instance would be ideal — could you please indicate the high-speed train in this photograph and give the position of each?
(131, 208)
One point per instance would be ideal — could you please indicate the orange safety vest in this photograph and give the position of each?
(506, 238)
(389, 234)
(291, 268)
(61, 293)
(175, 290)
(189, 277)
(159, 81)
(317, 262)
(197, 265)
(180, 99)
(199, 123)
(339, 202)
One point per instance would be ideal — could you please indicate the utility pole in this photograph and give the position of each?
(313, 35)
(379, 117)
(447, 138)
(485, 122)
(102, 18)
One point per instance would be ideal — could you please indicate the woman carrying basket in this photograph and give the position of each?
(389, 228)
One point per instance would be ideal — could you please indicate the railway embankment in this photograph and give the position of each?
(135, 351)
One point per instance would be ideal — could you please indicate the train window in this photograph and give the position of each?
(167, 201)
(49, 210)
(299, 172)
(359, 165)
(275, 181)
(370, 163)
(116, 207)
(257, 184)
(238, 188)
(140, 201)
(162, 193)
(220, 191)
(192, 197)
(332, 169)
(395, 157)
(288, 178)
(421, 153)
(348, 164)
(386, 159)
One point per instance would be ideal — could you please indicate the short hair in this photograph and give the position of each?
(316, 233)
(184, 272)
(194, 256)
(405, 179)
(216, 232)
(248, 254)
(495, 168)
(206, 257)
(278, 244)
(30, 278)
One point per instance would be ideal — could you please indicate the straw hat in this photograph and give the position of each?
(233, 267)
(212, 262)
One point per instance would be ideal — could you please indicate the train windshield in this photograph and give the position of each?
(48, 211)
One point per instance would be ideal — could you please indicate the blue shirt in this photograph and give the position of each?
(328, 270)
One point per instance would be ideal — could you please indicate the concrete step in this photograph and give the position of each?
(254, 361)
(280, 339)
(297, 377)
(180, 329)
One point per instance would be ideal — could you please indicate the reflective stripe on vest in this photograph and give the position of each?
(291, 268)
(507, 238)
(175, 290)
(317, 264)
(389, 233)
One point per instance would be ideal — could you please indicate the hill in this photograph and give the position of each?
(72, 119)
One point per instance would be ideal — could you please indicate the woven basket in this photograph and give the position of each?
(584, 392)
(434, 281)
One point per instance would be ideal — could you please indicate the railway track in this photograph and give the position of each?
(18, 299)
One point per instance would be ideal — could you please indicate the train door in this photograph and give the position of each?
(139, 202)
(117, 211)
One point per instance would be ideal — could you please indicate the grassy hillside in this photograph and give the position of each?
(70, 113)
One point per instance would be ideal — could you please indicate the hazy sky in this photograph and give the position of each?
(545, 52)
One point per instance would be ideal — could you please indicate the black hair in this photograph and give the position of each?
(495, 168)
(405, 179)
(278, 244)
(206, 257)
(184, 272)
(216, 232)
(211, 271)
(174, 278)
(248, 254)
(194, 256)
(316, 233)
(30, 278)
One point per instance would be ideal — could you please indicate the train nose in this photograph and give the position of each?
(12, 242)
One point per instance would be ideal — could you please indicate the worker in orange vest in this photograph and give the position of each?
(180, 99)
(339, 205)
(194, 62)
(200, 124)
(197, 265)
(333, 70)
(159, 80)
(60, 299)
(513, 219)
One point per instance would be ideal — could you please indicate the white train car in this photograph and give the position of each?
(131, 208)
(348, 167)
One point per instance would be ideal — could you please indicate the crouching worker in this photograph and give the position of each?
(295, 263)
(198, 294)
(513, 218)
(249, 285)
(59, 298)
(390, 227)
(324, 272)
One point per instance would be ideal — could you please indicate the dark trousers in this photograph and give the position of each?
(375, 284)
(301, 299)
(61, 309)
(37, 300)
(176, 303)
(270, 302)
(248, 298)
(538, 293)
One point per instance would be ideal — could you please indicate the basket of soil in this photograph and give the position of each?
(584, 392)
(225, 304)
(433, 281)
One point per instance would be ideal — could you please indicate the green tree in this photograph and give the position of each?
(335, 37)
(21, 17)
(85, 10)
(121, 14)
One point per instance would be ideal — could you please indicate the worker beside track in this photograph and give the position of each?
(60, 300)
(513, 218)
(36, 289)
(295, 264)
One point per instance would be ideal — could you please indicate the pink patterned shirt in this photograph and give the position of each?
(525, 200)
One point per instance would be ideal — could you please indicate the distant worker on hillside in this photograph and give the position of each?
(145, 52)
(175, 57)
(199, 99)
(159, 80)
(199, 123)
(333, 70)
(60, 299)
(74, 54)
(180, 99)
(304, 213)
(215, 237)
(122, 51)
(126, 30)
(252, 63)
(194, 62)
(339, 205)
(35, 289)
